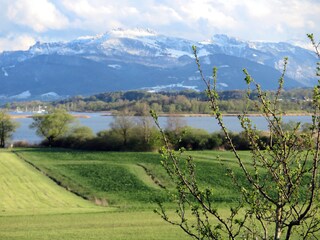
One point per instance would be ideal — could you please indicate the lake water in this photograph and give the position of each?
(97, 122)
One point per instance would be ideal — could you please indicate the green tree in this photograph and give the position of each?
(7, 106)
(194, 139)
(7, 128)
(122, 125)
(52, 125)
(145, 124)
(280, 194)
(81, 133)
(77, 137)
(175, 124)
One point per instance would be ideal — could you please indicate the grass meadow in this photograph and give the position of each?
(144, 225)
(116, 193)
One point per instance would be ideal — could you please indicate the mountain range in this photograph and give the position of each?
(133, 59)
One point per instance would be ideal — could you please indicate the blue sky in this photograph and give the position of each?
(23, 22)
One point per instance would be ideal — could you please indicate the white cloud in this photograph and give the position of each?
(160, 15)
(102, 16)
(194, 10)
(11, 43)
(279, 20)
(40, 15)
(271, 20)
(259, 9)
(84, 9)
(94, 15)
(268, 20)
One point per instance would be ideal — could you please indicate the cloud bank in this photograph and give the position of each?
(268, 20)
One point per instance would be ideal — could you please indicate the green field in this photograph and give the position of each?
(26, 191)
(124, 179)
(111, 225)
(121, 187)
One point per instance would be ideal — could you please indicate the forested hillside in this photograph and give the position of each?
(138, 102)
(174, 102)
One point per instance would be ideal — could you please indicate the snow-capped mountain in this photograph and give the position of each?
(142, 59)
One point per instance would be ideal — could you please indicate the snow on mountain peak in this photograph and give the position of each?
(222, 40)
(303, 44)
(134, 32)
(50, 94)
(121, 33)
(23, 95)
(89, 37)
(46, 48)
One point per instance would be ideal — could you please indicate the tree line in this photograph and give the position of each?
(58, 128)
(191, 102)
(182, 101)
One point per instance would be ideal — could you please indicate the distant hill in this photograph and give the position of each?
(138, 59)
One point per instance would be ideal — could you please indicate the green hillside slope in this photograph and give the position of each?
(24, 190)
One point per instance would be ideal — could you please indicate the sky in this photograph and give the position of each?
(23, 22)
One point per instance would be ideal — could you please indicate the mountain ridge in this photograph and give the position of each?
(133, 59)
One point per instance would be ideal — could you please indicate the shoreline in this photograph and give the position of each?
(30, 116)
(174, 115)
(226, 114)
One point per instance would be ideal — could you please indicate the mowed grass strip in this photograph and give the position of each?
(24, 190)
(142, 225)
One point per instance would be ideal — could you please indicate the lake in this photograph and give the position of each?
(97, 122)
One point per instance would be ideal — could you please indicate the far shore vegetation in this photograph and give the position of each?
(187, 102)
